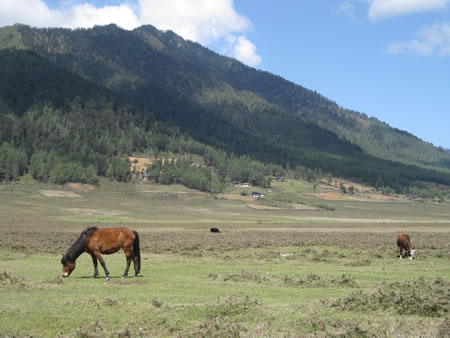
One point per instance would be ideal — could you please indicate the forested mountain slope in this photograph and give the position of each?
(144, 76)
(371, 135)
(151, 65)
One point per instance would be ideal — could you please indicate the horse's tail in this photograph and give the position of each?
(137, 251)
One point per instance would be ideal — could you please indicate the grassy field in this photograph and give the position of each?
(287, 265)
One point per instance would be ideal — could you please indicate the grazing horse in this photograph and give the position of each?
(97, 241)
(404, 243)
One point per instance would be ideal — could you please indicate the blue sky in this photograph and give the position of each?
(386, 58)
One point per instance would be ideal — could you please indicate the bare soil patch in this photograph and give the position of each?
(338, 196)
(357, 186)
(59, 193)
(235, 197)
(263, 207)
(81, 187)
(141, 164)
(253, 204)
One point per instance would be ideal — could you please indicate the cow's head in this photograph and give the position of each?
(411, 254)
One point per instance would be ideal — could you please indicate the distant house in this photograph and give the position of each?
(146, 176)
(256, 194)
(245, 185)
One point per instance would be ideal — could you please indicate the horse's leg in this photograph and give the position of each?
(94, 260)
(128, 254)
(102, 262)
(136, 265)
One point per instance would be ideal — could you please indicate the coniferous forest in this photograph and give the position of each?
(74, 104)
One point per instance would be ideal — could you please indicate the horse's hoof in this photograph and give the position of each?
(107, 278)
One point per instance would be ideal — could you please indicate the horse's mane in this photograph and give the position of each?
(78, 246)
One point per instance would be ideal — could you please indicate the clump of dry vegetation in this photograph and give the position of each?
(224, 319)
(7, 278)
(216, 327)
(232, 306)
(93, 301)
(340, 328)
(94, 330)
(444, 328)
(415, 297)
(313, 280)
(242, 276)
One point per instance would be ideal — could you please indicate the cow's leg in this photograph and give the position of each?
(128, 255)
(102, 262)
(94, 260)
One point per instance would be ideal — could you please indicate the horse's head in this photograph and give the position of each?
(68, 266)
(411, 254)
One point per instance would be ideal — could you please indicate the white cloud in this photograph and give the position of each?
(23, 11)
(87, 15)
(434, 39)
(380, 9)
(243, 50)
(197, 20)
(37, 13)
(203, 21)
(347, 8)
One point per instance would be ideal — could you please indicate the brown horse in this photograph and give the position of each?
(97, 241)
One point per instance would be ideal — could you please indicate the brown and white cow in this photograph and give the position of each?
(404, 243)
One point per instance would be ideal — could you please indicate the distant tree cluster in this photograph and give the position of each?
(310, 175)
(13, 162)
(220, 170)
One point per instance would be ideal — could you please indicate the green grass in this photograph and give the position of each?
(195, 283)
(191, 290)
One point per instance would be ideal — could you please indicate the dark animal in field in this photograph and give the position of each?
(97, 241)
(216, 230)
(404, 244)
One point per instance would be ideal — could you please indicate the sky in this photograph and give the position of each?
(388, 59)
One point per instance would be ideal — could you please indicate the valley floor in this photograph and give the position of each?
(270, 272)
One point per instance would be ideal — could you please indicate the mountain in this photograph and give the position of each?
(149, 64)
(223, 103)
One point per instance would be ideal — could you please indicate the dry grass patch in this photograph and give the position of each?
(338, 196)
(141, 163)
(59, 193)
(81, 187)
